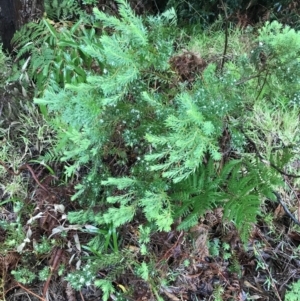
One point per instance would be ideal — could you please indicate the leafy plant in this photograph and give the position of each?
(4, 62)
(24, 275)
(62, 10)
(114, 263)
(55, 46)
(86, 129)
(191, 137)
(89, 2)
(293, 293)
(190, 134)
(280, 58)
(44, 273)
(155, 146)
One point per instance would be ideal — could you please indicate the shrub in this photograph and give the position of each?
(157, 143)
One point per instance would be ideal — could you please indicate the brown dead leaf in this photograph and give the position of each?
(294, 235)
(279, 212)
(200, 232)
(249, 285)
(170, 295)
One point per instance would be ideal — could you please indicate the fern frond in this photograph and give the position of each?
(51, 156)
(200, 192)
(62, 9)
(248, 184)
(31, 36)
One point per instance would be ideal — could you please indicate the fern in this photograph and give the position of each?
(62, 10)
(239, 187)
(248, 185)
(50, 156)
(50, 60)
(199, 192)
(32, 35)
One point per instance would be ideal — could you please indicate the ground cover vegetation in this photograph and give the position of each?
(142, 160)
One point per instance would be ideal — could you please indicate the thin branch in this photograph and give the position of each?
(270, 163)
(262, 86)
(287, 211)
(30, 292)
(226, 36)
(20, 169)
(243, 80)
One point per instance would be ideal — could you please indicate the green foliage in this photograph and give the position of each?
(214, 247)
(208, 12)
(56, 47)
(152, 147)
(238, 187)
(279, 45)
(24, 275)
(248, 185)
(62, 10)
(4, 61)
(190, 137)
(293, 293)
(218, 293)
(191, 11)
(155, 203)
(14, 235)
(106, 286)
(90, 2)
(117, 107)
(44, 273)
(85, 124)
(199, 193)
(43, 246)
(143, 271)
(84, 277)
(115, 264)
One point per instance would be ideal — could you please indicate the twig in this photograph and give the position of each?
(262, 86)
(226, 36)
(287, 211)
(270, 163)
(56, 261)
(35, 178)
(30, 292)
(81, 296)
(20, 169)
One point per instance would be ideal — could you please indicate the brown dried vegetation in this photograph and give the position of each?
(188, 66)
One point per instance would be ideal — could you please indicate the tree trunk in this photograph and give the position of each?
(14, 14)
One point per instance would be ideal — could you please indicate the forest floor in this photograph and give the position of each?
(209, 262)
(39, 246)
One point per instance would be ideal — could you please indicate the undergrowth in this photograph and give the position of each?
(160, 136)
